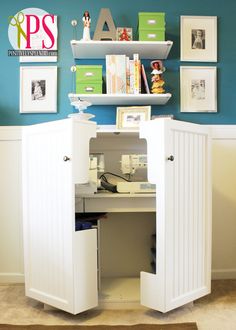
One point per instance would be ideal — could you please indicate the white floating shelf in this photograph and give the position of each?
(99, 49)
(125, 99)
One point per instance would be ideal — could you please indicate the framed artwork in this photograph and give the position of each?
(198, 89)
(198, 38)
(38, 89)
(130, 117)
(124, 34)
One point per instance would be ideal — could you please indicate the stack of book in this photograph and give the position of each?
(123, 75)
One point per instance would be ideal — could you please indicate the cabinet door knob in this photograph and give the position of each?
(65, 158)
(171, 158)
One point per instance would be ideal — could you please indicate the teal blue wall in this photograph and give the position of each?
(124, 13)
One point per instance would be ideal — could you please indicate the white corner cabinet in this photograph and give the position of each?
(145, 49)
(63, 266)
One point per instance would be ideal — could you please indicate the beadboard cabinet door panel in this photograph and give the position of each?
(179, 165)
(60, 263)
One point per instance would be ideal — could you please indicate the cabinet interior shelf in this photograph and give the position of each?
(125, 99)
(99, 49)
(117, 195)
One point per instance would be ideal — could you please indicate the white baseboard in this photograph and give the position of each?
(223, 274)
(11, 278)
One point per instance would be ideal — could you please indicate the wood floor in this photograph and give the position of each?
(217, 311)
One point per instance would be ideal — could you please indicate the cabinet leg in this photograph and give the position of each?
(49, 308)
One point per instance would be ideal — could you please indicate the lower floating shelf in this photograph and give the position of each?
(125, 99)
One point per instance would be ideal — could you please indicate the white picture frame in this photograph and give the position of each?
(198, 38)
(198, 89)
(130, 117)
(38, 89)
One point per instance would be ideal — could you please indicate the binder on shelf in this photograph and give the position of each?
(116, 74)
(127, 75)
(131, 76)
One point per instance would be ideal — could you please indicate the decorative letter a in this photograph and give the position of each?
(105, 18)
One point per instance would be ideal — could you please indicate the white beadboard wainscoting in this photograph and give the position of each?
(11, 247)
(224, 201)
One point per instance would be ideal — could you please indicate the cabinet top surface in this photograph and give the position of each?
(99, 49)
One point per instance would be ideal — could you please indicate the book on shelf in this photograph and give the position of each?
(137, 74)
(131, 76)
(144, 78)
(127, 76)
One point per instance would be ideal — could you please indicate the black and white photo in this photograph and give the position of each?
(198, 89)
(38, 89)
(198, 39)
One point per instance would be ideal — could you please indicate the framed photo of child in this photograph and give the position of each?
(198, 38)
(38, 89)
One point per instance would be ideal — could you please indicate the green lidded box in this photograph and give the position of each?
(89, 79)
(151, 26)
(152, 35)
(151, 21)
(89, 88)
(88, 73)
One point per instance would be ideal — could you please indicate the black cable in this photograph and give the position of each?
(118, 176)
(107, 185)
(103, 177)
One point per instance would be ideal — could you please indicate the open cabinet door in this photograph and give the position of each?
(60, 263)
(179, 165)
